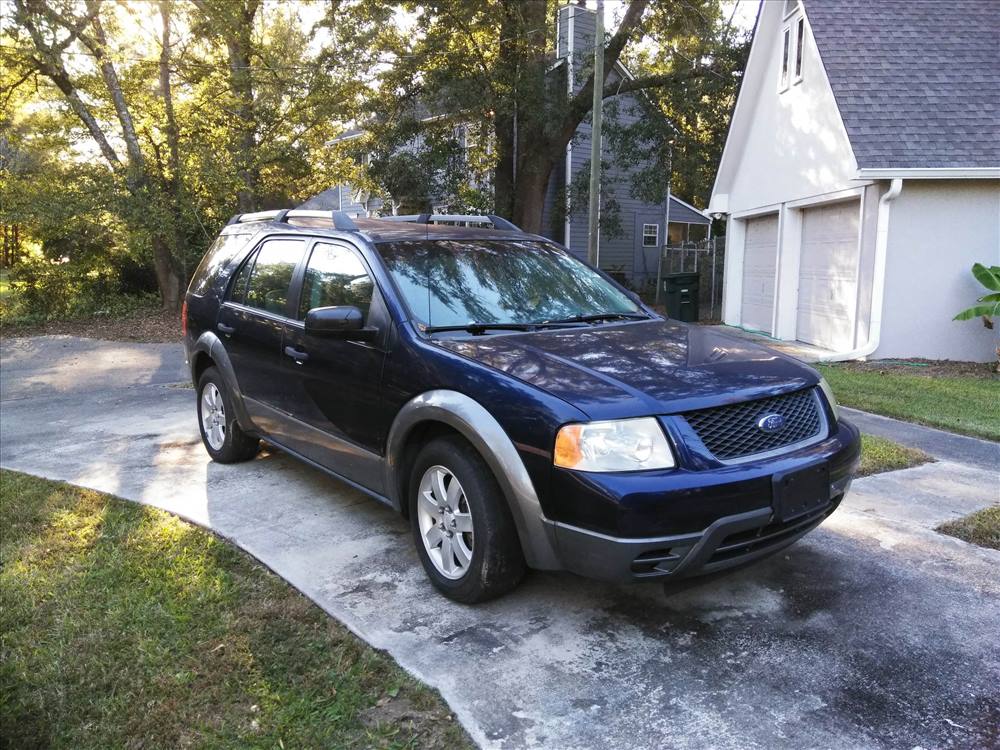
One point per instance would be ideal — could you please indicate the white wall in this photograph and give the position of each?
(785, 145)
(937, 230)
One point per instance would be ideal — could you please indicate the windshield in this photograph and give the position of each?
(458, 282)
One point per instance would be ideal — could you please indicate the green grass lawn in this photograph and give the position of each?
(879, 454)
(968, 405)
(122, 626)
(981, 527)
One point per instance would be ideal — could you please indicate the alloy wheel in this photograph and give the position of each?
(445, 522)
(213, 416)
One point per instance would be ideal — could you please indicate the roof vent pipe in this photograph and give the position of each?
(878, 279)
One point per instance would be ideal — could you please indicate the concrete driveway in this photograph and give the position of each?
(874, 631)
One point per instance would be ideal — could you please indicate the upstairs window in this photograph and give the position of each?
(786, 52)
(790, 7)
(650, 235)
(800, 38)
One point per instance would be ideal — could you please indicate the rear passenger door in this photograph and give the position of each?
(334, 383)
(252, 321)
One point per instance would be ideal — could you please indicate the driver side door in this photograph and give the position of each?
(334, 381)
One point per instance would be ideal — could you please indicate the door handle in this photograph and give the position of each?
(226, 329)
(297, 355)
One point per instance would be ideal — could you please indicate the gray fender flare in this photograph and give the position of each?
(208, 343)
(482, 430)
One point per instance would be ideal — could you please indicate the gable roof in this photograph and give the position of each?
(917, 82)
(685, 213)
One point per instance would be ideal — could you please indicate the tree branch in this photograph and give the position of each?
(51, 65)
(99, 47)
(656, 81)
(580, 103)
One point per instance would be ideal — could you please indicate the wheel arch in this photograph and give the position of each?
(445, 411)
(208, 351)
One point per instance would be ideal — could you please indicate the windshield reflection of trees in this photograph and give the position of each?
(456, 282)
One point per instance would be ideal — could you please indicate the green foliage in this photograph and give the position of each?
(989, 304)
(490, 66)
(689, 138)
(879, 455)
(173, 195)
(42, 290)
(968, 405)
(981, 527)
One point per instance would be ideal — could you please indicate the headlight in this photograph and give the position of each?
(622, 445)
(831, 399)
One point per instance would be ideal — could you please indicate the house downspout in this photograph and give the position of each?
(878, 279)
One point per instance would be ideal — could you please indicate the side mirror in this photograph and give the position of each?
(344, 321)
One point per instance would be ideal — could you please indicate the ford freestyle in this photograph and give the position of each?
(518, 407)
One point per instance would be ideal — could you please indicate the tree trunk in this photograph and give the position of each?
(529, 194)
(167, 278)
(239, 45)
(519, 118)
(175, 185)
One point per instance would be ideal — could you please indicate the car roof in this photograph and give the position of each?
(377, 230)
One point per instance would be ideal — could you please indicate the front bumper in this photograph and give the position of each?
(728, 541)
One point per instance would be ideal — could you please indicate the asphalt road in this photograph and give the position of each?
(873, 632)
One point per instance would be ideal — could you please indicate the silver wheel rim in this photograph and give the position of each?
(213, 416)
(445, 522)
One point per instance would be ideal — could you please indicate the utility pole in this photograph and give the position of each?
(666, 224)
(593, 233)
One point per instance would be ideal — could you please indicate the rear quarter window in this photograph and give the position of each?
(223, 250)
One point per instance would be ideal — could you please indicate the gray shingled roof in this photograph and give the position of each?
(917, 81)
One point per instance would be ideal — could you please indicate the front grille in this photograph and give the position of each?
(732, 431)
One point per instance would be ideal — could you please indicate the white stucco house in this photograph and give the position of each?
(861, 176)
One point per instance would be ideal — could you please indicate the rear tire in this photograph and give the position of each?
(463, 530)
(221, 434)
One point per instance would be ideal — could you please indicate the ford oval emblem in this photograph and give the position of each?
(770, 423)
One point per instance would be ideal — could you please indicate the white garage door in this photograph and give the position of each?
(828, 276)
(759, 271)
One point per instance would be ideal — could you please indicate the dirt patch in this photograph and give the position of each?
(429, 724)
(148, 327)
(929, 368)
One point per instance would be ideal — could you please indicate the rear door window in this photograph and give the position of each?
(222, 251)
(265, 278)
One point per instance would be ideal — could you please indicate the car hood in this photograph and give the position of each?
(641, 368)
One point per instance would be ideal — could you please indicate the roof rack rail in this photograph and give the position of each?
(498, 222)
(340, 219)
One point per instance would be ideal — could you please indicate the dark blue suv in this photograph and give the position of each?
(520, 408)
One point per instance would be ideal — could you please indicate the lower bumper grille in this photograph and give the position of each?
(754, 540)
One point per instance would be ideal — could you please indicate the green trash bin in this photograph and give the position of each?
(681, 290)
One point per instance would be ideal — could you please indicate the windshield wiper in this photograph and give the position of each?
(478, 328)
(597, 318)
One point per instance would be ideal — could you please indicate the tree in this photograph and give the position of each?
(51, 31)
(491, 62)
(229, 108)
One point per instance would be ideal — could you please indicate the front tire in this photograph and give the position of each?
(462, 527)
(221, 434)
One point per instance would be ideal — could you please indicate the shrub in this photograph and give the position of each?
(42, 290)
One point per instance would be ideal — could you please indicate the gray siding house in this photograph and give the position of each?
(630, 250)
